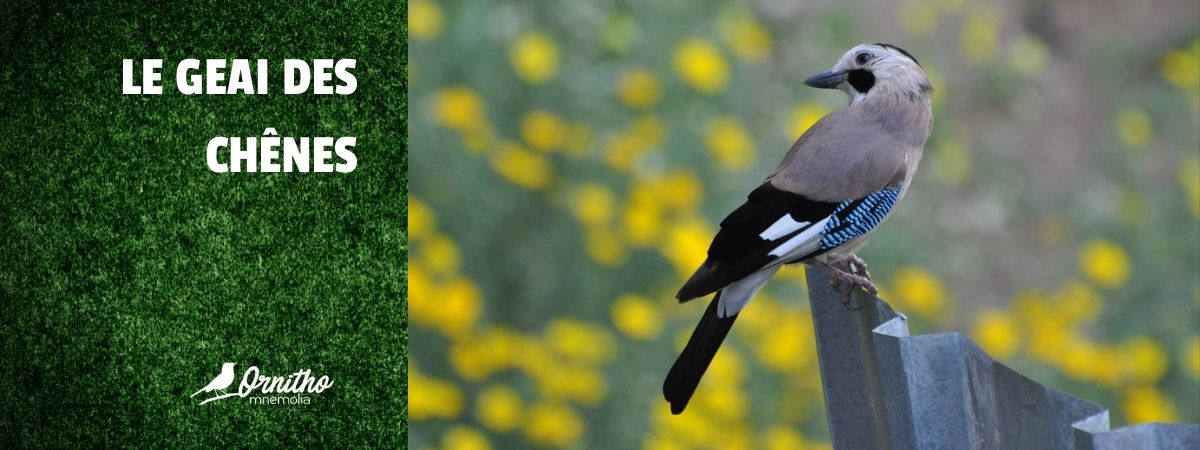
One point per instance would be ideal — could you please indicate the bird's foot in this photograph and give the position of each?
(844, 281)
(858, 266)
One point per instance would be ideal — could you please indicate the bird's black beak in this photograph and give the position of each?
(826, 80)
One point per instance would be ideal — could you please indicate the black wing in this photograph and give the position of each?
(739, 249)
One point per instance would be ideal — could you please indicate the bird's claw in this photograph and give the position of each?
(845, 280)
(844, 283)
(858, 266)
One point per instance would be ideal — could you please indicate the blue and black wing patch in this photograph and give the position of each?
(774, 224)
(856, 218)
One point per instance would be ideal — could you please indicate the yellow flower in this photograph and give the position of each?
(571, 382)
(1049, 334)
(1104, 262)
(470, 360)
(979, 34)
(622, 151)
(728, 143)
(534, 358)
(593, 205)
(918, 17)
(1146, 359)
(700, 65)
(638, 88)
(761, 318)
(430, 398)
(1048, 340)
(1108, 369)
(1190, 356)
(788, 344)
(641, 221)
(475, 357)
(459, 108)
(421, 223)
(439, 254)
(678, 190)
(422, 296)
(1146, 404)
(461, 437)
(1082, 360)
(641, 228)
(1133, 128)
(781, 437)
(553, 425)
(803, 118)
(543, 131)
(625, 149)
(727, 404)
(424, 19)
(579, 341)
(687, 245)
(748, 39)
(998, 333)
(727, 369)
(1028, 55)
(500, 408)
(535, 57)
(523, 168)
(919, 289)
(603, 246)
(695, 429)
(459, 306)
(502, 345)
(1076, 301)
(662, 441)
(1182, 67)
(1189, 179)
(636, 316)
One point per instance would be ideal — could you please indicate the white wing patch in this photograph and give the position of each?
(782, 227)
(799, 239)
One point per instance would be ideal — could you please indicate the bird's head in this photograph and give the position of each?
(227, 366)
(874, 69)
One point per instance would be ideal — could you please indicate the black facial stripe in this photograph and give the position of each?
(861, 80)
(893, 47)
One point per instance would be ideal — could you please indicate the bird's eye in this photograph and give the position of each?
(862, 58)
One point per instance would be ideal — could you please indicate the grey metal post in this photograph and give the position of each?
(885, 389)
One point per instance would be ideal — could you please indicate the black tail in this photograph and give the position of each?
(694, 360)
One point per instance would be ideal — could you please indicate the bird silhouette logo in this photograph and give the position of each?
(220, 383)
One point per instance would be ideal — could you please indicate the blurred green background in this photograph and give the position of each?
(572, 160)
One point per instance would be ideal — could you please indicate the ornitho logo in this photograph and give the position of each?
(297, 385)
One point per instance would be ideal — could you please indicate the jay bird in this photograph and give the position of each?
(838, 182)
